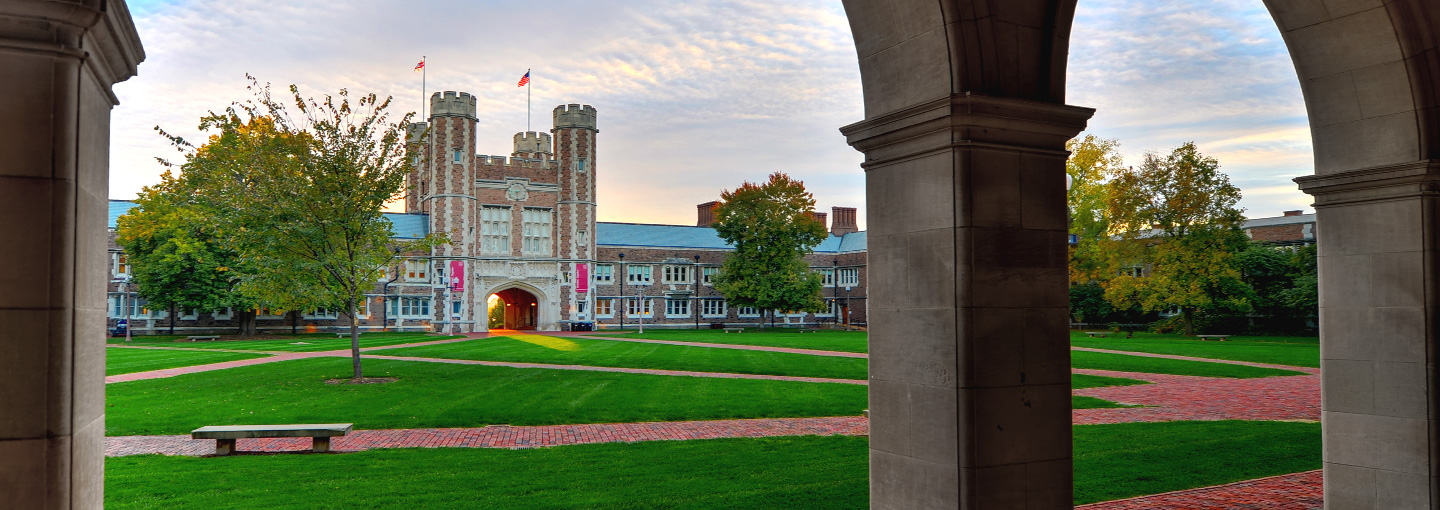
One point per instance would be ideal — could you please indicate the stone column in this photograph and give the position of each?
(58, 60)
(1379, 242)
(969, 350)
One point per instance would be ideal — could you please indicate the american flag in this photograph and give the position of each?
(420, 66)
(524, 79)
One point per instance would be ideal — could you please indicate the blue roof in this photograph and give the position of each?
(404, 226)
(683, 236)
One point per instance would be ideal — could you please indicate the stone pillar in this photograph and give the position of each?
(1379, 242)
(58, 60)
(969, 350)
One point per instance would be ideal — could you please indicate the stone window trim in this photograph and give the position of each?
(713, 308)
(417, 270)
(849, 277)
(677, 308)
(410, 307)
(495, 229)
(604, 273)
(831, 307)
(675, 275)
(225, 315)
(708, 274)
(639, 274)
(536, 228)
(827, 276)
(604, 308)
(748, 312)
(634, 308)
(120, 266)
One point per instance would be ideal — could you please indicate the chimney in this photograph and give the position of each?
(843, 221)
(1293, 213)
(820, 217)
(705, 213)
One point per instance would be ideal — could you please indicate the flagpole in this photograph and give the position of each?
(422, 88)
(527, 99)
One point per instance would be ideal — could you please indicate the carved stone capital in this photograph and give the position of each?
(1392, 182)
(99, 33)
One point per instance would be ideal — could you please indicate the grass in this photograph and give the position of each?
(1126, 363)
(1111, 462)
(125, 361)
(310, 342)
(824, 340)
(1278, 350)
(1132, 459)
(1078, 381)
(607, 353)
(447, 395)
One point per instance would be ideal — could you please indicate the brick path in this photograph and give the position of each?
(1184, 397)
(1298, 491)
(508, 437)
(813, 352)
(650, 371)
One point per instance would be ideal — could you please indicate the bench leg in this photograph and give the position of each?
(224, 446)
(321, 445)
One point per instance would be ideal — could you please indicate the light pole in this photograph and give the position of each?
(125, 302)
(624, 303)
(696, 301)
(834, 291)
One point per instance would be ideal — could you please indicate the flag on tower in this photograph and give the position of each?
(420, 66)
(524, 79)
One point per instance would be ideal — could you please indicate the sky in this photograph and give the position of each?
(698, 96)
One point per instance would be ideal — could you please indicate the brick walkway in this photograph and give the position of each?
(1298, 491)
(508, 437)
(812, 352)
(649, 371)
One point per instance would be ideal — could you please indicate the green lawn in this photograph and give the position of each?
(1078, 381)
(824, 340)
(1280, 350)
(1125, 363)
(309, 342)
(125, 361)
(445, 395)
(1111, 462)
(606, 353)
(1133, 459)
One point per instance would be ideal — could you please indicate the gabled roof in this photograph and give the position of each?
(404, 226)
(642, 235)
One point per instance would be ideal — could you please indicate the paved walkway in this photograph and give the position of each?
(1184, 397)
(508, 437)
(812, 352)
(650, 371)
(1299, 491)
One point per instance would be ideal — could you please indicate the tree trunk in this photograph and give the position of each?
(1187, 319)
(172, 319)
(355, 340)
(763, 313)
(247, 323)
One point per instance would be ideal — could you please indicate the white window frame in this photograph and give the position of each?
(411, 307)
(640, 274)
(456, 153)
(677, 308)
(604, 273)
(417, 270)
(189, 314)
(536, 227)
(708, 273)
(607, 305)
(228, 314)
(751, 314)
(849, 277)
(580, 307)
(120, 265)
(833, 306)
(707, 304)
(827, 277)
(675, 275)
(647, 307)
(495, 229)
(321, 313)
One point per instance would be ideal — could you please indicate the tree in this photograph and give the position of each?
(176, 259)
(772, 229)
(300, 198)
(1091, 161)
(1176, 215)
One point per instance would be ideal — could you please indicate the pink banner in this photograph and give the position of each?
(582, 278)
(457, 275)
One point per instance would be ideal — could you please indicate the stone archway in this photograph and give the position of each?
(521, 308)
(964, 151)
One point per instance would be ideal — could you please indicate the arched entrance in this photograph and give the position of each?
(513, 308)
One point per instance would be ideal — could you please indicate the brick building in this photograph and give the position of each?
(524, 236)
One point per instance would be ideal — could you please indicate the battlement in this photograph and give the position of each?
(533, 142)
(452, 104)
(415, 132)
(546, 162)
(575, 116)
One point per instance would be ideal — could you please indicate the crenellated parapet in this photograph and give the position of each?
(516, 162)
(531, 142)
(415, 132)
(452, 104)
(575, 116)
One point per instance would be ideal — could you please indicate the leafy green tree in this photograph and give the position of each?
(1092, 160)
(772, 230)
(300, 197)
(1176, 218)
(176, 259)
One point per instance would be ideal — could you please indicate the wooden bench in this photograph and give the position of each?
(734, 330)
(803, 330)
(1101, 334)
(225, 435)
(202, 337)
(1221, 338)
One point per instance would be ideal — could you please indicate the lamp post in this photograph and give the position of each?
(696, 311)
(624, 303)
(835, 291)
(125, 302)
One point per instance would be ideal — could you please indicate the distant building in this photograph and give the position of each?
(1292, 228)
(523, 229)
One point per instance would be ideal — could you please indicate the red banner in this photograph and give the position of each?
(582, 278)
(457, 275)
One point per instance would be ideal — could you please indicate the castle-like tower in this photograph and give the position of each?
(522, 228)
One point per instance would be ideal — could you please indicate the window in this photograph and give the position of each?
(455, 308)
(537, 231)
(749, 311)
(265, 312)
(638, 275)
(829, 309)
(675, 274)
(633, 307)
(712, 307)
(1135, 271)
(416, 270)
(580, 309)
(118, 300)
(189, 314)
(321, 313)
(495, 230)
(604, 273)
(707, 274)
(122, 265)
(456, 153)
(827, 277)
(604, 307)
(675, 308)
(410, 307)
(223, 315)
(849, 277)
(580, 165)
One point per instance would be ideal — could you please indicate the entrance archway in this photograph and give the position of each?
(521, 309)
